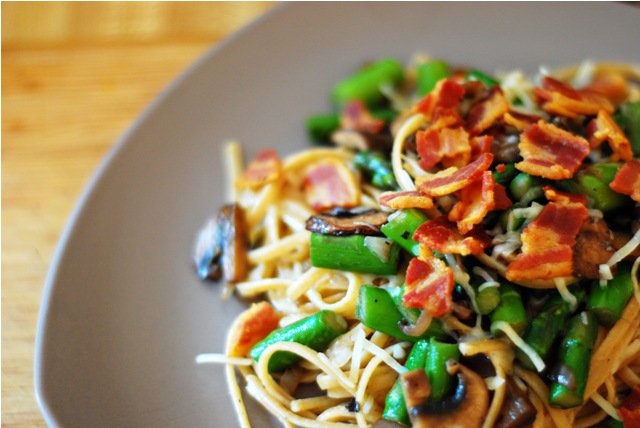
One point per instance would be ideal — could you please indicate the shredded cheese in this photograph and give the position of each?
(517, 340)
(625, 250)
(561, 285)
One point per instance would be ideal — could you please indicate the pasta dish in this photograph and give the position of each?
(457, 249)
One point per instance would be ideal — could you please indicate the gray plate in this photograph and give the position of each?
(123, 314)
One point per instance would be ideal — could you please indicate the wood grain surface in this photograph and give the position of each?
(75, 76)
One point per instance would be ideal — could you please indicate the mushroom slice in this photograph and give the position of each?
(343, 222)
(360, 140)
(222, 246)
(465, 408)
(517, 410)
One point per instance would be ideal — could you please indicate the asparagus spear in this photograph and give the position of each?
(401, 226)
(544, 329)
(511, 309)
(355, 253)
(316, 331)
(395, 406)
(377, 167)
(572, 368)
(429, 73)
(630, 113)
(474, 74)
(377, 310)
(442, 383)
(608, 302)
(594, 182)
(365, 84)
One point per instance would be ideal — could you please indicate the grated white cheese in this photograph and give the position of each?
(561, 285)
(409, 127)
(517, 341)
(494, 382)
(625, 250)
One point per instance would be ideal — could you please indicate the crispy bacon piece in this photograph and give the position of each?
(265, 168)
(405, 199)
(548, 240)
(449, 146)
(480, 144)
(613, 86)
(442, 235)
(630, 408)
(604, 128)
(502, 201)
(445, 96)
(453, 179)
(475, 201)
(627, 179)
(356, 116)
(445, 118)
(560, 98)
(429, 286)
(251, 327)
(520, 121)
(487, 111)
(329, 183)
(551, 152)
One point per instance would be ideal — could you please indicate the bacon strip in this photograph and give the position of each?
(442, 235)
(445, 96)
(356, 116)
(520, 121)
(551, 152)
(449, 146)
(627, 179)
(604, 128)
(475, 201)
(548, 240)
(329, 183)
(429, 286)
(406, 199)
(560, 98)
(487, 111)
(265, 168)
(251, 327)
(453, 179)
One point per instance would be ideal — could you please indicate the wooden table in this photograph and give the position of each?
(74, 77)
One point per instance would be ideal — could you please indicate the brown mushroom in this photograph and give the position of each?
(360, 140)
(222, 246)
(593, 247)
(466, 408)
(343, 222)
(517, 410)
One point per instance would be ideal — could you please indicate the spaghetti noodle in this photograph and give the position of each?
(517, 192)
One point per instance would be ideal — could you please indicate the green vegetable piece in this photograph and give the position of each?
(608, 302)
(401, 226)
(409, 314)
(395, 406)
(487, 299)
(572, 367)
(316, 332)
(631, 114)
(594, 181)
(377, 310)
(521, 184)
(374, 165)
(505, 177)
(321, 126)
(429, 73)
(355, 253)
(474, 74)
(442, 383)
(511, 309)
(544, 329)
(365, 84)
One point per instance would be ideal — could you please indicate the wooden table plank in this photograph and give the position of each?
(64, 104)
